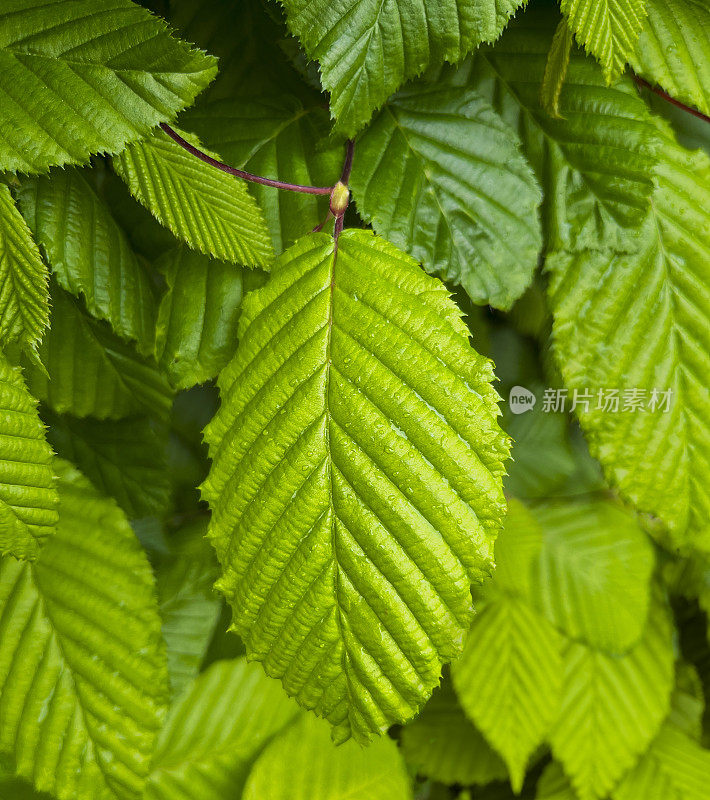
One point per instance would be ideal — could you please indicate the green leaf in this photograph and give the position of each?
(303, 764)
(91, 372)
(594, 163)
(212, 211)
(125, 459)
(592, 579)
(198, 316)
(554, 784)
(81, 654)
(608, 29)
(89, 254)
(367, 50)
(613, 706)
(215, 731)
(674, 50)
(281, 136)
(189, 605)
(639, 323)
(443, 745)
(440, 174)
(28, 497)
(556, 68)
(356, 479)
(87, 76)
(24, 301)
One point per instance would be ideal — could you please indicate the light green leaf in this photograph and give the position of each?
(303, 764)
(124, 459)
(440, 174)
(189, 605)
(674, 49)
(28, 497)
(89, 254)
(443, 745)
(280, 136)
(24, 296)
(87, 76)
(595, 163)
(212, 211)
(356, 479)
(81, 654)
(198, 316)
(367, 50)
(90, 371)
(556, 68)
(608, 29)
(592, 578)
(215, 731)
(554, 784)
(687, 702)
(639, 323)
(613, 706)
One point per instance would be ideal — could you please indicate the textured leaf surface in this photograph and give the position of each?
(440, 174)
(87, 76)
(124, 459)
(198, 316)
(81, 655)
(443, 745)
(609, 29)
(24, 297)
(215, 731)
(212, 211)
(594, 163)
(554, 784)
(28, 497)
(613, 706)
(642, 322)
(91, 372)
(674, 49)
(303, 764)
(556, 68)
(366, 50)
(280, 136)
(89, 254)
(356, 479)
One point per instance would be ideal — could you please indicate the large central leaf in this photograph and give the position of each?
(356, 483)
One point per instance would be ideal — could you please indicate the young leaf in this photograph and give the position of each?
(556, 68)
(124, 459)
(24, 296)
(90, 372)
(215, 732)
(89, 254)
(440, 174)
(640, 325)
(367, 50)
(554, 784)
(28, 497)
(674, 49)
(303, 764)
(613, 706)
(609, 29)
(212, 211)
(86, 76)
(356, 479)
(81, 654)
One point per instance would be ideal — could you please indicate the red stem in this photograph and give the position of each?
(657, 90)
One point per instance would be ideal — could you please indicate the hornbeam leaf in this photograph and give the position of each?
(613, 706)
(81, 655)
(24, 296)
(367, 50)
(674, 49)
(356, 479)
(215, 731)
(28, 497)
(640, 325)
(609, 29)
(303, 764)
(554, 784)
(212, 211)
(86, 76)
(440, 174)
(89, 254)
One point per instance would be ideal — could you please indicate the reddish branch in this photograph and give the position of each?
(657, 90)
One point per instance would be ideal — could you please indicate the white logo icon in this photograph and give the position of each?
(521, 400)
